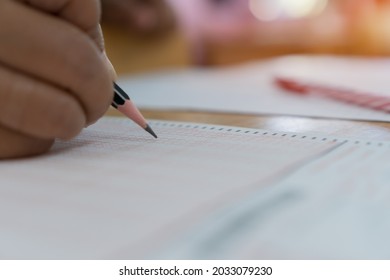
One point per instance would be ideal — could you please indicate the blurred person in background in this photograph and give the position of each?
(260, 27)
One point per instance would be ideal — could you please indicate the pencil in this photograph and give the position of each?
(362, 99)
(123, 104)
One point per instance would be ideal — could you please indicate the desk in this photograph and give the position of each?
(122, 49)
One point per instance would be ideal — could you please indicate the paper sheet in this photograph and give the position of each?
(335, 207)
(249, 88)
(115, 192)
(198, 191)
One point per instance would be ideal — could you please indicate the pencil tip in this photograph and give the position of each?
(149, 129)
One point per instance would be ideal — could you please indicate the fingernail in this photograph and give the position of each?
(110, 67)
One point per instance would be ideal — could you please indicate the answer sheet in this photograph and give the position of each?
(198, 191)
(335, 207)
(250, 89)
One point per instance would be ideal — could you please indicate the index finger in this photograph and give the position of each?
(85, 14)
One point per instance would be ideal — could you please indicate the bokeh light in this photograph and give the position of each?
(265, 10)
(268, 10)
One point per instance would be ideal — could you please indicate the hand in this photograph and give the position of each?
(54, 75)
(141, 17)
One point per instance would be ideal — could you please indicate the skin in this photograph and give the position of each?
(55, 78)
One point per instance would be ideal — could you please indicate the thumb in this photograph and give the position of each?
(96, 35)
(110, 67)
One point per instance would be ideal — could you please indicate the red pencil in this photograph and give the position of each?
(367, 100)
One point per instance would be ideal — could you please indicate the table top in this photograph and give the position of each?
(379, 131)
(126, 55)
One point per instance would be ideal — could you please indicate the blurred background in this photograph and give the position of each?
(148, 35)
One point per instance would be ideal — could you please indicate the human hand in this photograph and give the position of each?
(54, 75)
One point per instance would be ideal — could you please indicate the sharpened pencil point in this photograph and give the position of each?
(149, 129)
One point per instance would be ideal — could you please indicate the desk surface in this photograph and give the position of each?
(338, 128)
(122, 50)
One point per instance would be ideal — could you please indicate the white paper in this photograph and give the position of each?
(335, 207)
(115, 192)
(250, 88)
(197, 192)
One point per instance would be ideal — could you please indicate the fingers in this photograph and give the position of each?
(14, 144)
(97, 35)
(35, 108)
(54, 75)
(57, 52)
(85, 14)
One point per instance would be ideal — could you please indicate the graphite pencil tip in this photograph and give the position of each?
(149, 129)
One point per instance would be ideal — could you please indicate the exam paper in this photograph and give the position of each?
(197, 192)
(250, 88)
(335, 207)
(114, 192)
